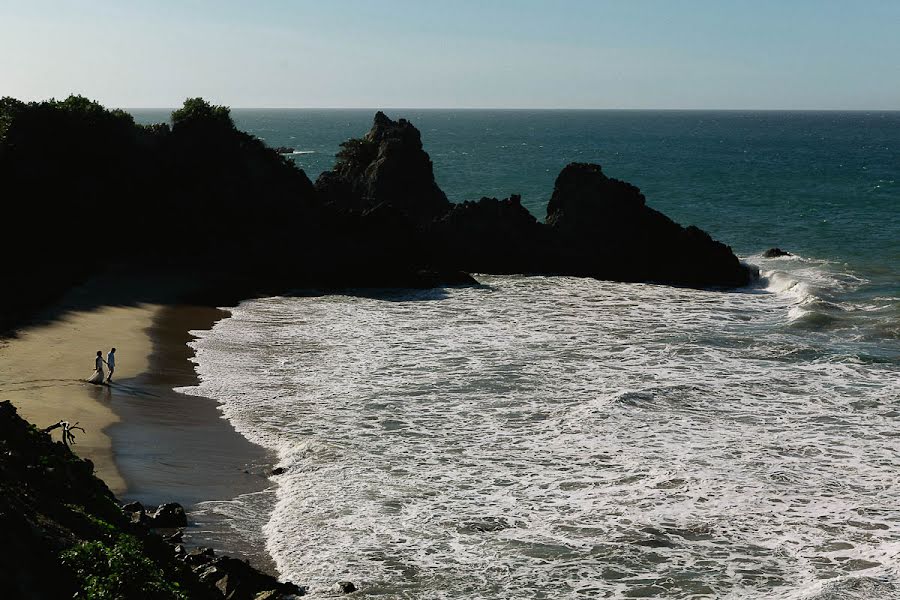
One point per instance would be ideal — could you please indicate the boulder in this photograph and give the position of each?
(343, 587)
(135, 512)
(199, 556)
(169, 515)
(775, 253)
(237, 580)
(175, 538)
(133, 507)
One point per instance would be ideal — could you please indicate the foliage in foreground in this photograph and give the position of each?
(118, 571)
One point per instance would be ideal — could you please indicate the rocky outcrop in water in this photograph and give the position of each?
(776, 253)
(490, 236)
(168, 515)
(388, 165)
(605, 229)
(595, 226)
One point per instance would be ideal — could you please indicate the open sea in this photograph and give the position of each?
(541, 437)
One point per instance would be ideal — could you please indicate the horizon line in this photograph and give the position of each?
(516, 108)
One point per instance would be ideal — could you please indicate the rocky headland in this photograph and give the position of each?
(595, 226)
(243, 220)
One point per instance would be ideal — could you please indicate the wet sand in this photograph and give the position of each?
(172, 447)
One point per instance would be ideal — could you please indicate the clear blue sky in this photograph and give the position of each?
(763, 54)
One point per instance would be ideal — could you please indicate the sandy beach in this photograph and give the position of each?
(148, 442)
(43, 372)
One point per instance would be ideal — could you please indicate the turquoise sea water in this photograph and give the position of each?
(567, 438)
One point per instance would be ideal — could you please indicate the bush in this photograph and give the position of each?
(198, 113)
(120, 571)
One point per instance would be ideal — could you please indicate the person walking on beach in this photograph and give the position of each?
(111, 363)
(97, 377)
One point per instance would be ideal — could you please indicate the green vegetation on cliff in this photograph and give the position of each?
(65, 536)
(64, 533)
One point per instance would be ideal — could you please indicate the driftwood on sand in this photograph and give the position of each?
(68, 437)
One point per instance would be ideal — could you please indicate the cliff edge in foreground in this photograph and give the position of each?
(65, 534)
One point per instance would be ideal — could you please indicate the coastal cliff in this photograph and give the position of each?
(202, 201)
(65, 534)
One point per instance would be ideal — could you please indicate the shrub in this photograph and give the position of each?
(120, 571)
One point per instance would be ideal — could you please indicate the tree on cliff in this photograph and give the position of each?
(80, 179)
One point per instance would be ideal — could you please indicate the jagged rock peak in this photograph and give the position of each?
(386, 166)
(385, 128)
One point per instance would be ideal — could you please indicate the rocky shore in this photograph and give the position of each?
(66, 534)
(595, 226)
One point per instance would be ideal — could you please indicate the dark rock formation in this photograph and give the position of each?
(237, 580)
(135, 512)
(607, 231)
(491, 236)
(198, 556)
(596, 226)
(388, 165)
(284, 150)
(775, 253)
(175, 538)
(168, 515)
(343, 587)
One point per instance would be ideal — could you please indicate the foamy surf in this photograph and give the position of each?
(558, 437)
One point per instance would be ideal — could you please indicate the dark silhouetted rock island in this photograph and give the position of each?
(596, 226)
(605, 229)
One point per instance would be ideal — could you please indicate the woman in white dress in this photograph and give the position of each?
(98, 375)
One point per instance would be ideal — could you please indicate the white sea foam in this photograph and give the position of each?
(565, 438)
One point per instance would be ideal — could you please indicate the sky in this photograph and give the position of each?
(686, 54)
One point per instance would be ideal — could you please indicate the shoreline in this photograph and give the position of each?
(148, 442)
(174, 447)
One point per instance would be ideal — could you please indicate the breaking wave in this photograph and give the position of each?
(561, 437)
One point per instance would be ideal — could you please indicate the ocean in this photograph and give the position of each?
(539, 437)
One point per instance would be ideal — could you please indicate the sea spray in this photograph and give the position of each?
(560, 437)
